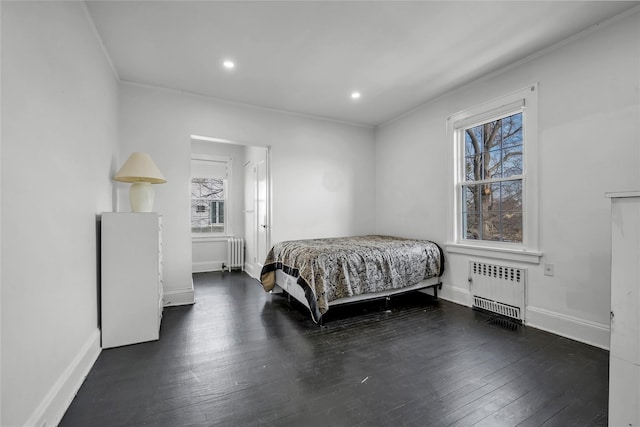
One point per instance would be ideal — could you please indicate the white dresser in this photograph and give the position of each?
(624, 356)
(131, 273)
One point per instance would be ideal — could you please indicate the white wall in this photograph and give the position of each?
(588, 144)
(59, 131)
(322, 171)
(209, 254)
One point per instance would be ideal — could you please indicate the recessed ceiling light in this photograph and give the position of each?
(228, 64)
(355, 95)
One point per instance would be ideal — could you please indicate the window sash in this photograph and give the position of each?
(493, 114)
(500, 219)
(492, 180)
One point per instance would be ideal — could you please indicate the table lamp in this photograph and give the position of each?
(141, 172)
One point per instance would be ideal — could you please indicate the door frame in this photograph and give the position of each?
(268, 195)
(267, 207)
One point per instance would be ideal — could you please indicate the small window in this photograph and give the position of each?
(207, 205)
(210, 185)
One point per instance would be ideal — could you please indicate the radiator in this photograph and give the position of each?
(498, 289)
(235, 253)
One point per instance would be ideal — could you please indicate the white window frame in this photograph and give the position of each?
(213, 236)
(526, 101)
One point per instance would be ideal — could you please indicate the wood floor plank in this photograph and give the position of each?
(240, 356)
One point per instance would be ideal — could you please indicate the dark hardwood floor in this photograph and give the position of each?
(242, 357)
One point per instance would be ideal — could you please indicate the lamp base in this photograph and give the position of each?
(141, 197)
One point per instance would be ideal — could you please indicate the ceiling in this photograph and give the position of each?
(308, 57)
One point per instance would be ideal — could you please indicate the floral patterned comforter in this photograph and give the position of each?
(329, 269)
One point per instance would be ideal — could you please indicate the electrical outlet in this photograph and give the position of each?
(548, 269)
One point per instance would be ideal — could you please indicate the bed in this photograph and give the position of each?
(320, 273)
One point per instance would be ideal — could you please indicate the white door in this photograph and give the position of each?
(262, 212)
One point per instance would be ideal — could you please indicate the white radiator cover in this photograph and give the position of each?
(499, 289)
(235, 253)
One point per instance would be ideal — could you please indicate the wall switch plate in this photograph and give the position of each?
(548, 269)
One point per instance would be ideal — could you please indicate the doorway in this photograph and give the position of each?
(248, 211)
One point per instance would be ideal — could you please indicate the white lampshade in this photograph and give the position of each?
(139, 168)
(141, 171)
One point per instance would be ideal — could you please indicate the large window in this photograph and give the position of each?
(209, 192)
(492, 183)
(494, 188)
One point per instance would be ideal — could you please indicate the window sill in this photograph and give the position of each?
(203, 239)
(507, 254)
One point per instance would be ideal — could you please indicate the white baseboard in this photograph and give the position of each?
(585, 331)
(454, 294)
(174, 297)
(251, 270)
(588, 332)
(57, 401)
(206, 266)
